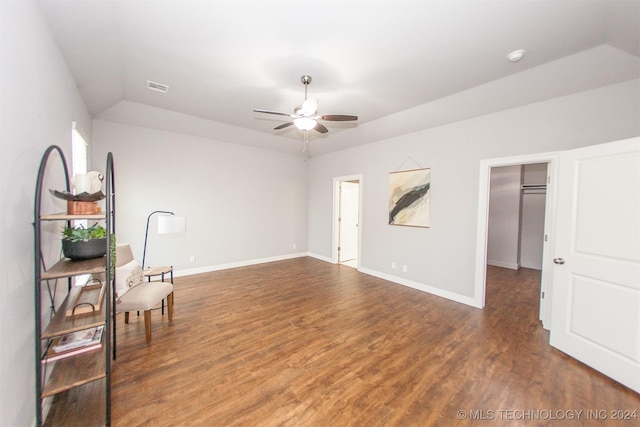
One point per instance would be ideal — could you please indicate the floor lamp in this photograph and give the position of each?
(168, 223)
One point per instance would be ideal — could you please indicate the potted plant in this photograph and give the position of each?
(84, 243)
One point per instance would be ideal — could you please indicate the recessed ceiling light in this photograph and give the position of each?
(516, 55)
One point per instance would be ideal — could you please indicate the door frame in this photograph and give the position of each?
(546, 281)
(336, 214)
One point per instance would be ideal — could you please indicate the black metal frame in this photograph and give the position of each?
(38, 266)
(146, 234)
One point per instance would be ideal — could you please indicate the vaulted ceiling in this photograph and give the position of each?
(374, 59)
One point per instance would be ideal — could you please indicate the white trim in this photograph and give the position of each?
(210, 268)
(515, 266)
(551, 159)
(421, 287)
(320, 257)
(411, 284)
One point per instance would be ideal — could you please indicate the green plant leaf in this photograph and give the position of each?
(84, 234)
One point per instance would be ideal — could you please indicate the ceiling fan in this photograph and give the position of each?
(305, 116)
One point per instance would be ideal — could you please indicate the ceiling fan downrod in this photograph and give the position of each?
(306, 81)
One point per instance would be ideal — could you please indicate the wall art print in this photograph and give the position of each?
(409, 198)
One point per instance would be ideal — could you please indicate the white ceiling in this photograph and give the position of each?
(223, 58)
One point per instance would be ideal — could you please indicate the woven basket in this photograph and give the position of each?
(94, 248)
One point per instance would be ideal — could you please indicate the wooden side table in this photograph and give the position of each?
(159, 271)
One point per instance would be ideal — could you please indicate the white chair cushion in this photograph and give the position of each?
(144, 296)
(128, 276)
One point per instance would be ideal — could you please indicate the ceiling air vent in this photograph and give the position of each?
(158, 87)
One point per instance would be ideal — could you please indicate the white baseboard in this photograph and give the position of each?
(399, 280)
(320, 257)
(210, 268)
(423, 287)
(508, 265)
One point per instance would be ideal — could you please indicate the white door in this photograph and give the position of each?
(596, 285)
(348, 221)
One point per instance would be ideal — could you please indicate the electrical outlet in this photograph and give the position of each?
(393, 265)
(192, 258)
(294, 246)
(404, 268)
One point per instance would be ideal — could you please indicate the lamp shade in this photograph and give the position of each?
(172, 224)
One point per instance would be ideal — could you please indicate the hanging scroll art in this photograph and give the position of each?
(409, 198)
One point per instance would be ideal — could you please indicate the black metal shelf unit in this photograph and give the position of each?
(79, 384)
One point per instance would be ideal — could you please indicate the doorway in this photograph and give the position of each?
(346, 224)
(482, 252)
(515, 231)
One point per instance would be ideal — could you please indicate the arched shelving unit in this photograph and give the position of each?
(78, 385)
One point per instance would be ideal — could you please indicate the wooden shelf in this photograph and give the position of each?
(62, 324)
(66, 217)
(68, 268)
(75, 371)
(82, 403)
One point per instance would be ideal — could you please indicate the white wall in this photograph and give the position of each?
(532, 223)
(503, 235)
(243, 204)
(39, 100)
(441, 258)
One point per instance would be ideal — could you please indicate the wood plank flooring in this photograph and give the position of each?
(302, 342)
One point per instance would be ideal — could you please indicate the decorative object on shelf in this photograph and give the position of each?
(167, 224)
(84, 243)
(80, 204)
(87, 299)
(84, 197)
(409, 198)
(90, 182)
(88, 190)
(74, 340)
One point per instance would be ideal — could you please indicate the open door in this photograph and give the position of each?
(596, 279)
(348, 220)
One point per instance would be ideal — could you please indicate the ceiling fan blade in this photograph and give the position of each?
(282, 126)
(274, 112)
(321, 128)
(338, 118)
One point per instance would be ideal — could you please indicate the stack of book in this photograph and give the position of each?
(75, 343)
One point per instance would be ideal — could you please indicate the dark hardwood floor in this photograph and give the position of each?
(307, 343)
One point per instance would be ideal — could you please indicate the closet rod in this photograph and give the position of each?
(533, 187)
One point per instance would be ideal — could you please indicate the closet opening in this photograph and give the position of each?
(516, 218)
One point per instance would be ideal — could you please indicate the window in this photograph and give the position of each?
(78, 151)
(79, 165)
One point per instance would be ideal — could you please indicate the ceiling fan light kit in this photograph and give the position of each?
(305, 116)
(304, 123)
